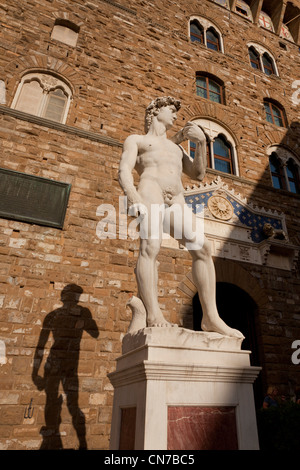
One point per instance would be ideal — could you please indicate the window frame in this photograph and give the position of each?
(252, 50)
(260, 52)
(67, 25)
(49, 83)
(266, 67)
(281, 112)
(221, 157)
(284, 158)
(47, 103)
(295, 178)
(210, 153)
(199, 38)
(241, 11)
(206, 26)
(209, 80)
(217, 42)
(279, 174)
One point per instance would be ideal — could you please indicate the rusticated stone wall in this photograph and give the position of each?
(127, 54)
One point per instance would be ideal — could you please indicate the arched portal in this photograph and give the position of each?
(241, 301)
(237, 308)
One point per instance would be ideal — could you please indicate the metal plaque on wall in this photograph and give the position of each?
(33, 199)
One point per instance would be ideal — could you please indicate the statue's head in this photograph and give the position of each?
(156, 105)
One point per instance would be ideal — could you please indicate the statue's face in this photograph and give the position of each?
(167, 115)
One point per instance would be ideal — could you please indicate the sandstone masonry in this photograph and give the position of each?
(127, 53)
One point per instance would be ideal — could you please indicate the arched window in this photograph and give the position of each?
(268, 64)
(212, 39)
(220, 148)
(284, 169)
(203, 31)
(277, 173)
(260, 59)
(274, 114)
(196, 32)
(43, 95)
(209, 88)
(65, 31)
(254, 58)
(292, 172)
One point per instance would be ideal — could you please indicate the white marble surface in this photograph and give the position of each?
(171, 366)
(170, 337)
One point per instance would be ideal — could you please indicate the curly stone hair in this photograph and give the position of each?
(155, 106)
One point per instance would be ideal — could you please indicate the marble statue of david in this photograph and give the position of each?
(160, 162)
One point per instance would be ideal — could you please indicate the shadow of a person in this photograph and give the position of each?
(66, 324)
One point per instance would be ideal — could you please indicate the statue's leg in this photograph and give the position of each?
(203, 271)
(147, 278)
(147, 267)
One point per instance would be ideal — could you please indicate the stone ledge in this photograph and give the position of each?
(121, 7)
(59, 127)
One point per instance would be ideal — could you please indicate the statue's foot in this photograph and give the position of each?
(160, 321)
(219, 326)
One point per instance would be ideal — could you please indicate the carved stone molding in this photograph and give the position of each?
(236, 229)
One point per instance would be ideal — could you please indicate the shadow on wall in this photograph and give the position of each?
(66, 324)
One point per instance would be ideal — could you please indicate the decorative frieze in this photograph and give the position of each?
(241, 231)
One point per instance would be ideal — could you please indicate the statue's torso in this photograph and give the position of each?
(159, 163)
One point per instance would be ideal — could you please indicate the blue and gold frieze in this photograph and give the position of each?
(249, 218)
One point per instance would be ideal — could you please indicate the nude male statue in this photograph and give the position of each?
(160, 162)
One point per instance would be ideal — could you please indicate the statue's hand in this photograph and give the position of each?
(138, 209)
(193, 132)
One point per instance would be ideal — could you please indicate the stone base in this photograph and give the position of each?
(177, 389)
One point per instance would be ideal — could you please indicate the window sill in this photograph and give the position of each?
(262, 74)
(275, 127)
(59, 127)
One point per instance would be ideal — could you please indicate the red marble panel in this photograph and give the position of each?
(202, 428)
(127, 429)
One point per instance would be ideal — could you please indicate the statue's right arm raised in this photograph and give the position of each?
(195, 168)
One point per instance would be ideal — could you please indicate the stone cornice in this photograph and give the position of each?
(158, 371)
(59, 127)
(121, 7)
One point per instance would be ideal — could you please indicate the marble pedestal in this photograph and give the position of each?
(177, 389)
